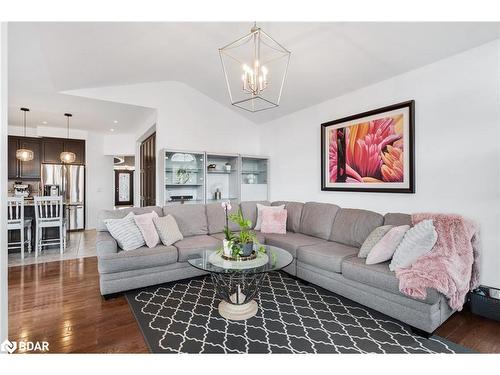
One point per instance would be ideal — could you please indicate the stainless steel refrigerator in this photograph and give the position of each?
(71, 182)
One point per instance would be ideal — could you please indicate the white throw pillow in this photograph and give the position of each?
(260, 207)
(385, 248)
(417, 242)
(126, 232)
(167, 229)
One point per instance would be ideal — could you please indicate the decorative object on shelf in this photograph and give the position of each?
(180, 157)
(251, 179)
(227, 167)
(68, 156)
(371, 151)
(24, 154)
(217, 194)
(251, 82)
(182, 176)
(211, 167)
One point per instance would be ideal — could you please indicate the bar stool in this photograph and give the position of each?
(16, 221)
(49, 214)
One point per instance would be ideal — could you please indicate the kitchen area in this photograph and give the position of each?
(46, 167)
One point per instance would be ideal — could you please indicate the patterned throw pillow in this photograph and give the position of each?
(385, 248)
(167, 229)
(261, 207)
(417, 242)
(125, 232)
(273, 221)
(147, 228)
(372, 239)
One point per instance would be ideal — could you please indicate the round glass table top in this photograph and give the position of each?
(272, 260)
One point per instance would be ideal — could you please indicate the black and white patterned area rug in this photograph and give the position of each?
(293, 317)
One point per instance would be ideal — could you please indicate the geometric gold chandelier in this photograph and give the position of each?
(255, 68)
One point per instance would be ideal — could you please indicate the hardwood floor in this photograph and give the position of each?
(59, 302)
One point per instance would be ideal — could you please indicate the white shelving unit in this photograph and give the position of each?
(187, 178)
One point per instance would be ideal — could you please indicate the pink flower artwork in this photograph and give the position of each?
(367, 152)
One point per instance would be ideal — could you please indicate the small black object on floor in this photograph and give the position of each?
(182, 317)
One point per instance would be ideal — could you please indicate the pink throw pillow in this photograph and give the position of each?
(147, 228)
(385, 248)
(273, 221)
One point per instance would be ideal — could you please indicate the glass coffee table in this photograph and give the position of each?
(237, 283)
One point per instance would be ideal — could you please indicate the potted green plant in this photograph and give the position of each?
(227, 243)
(244, 241)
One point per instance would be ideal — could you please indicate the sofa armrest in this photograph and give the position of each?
(105, 244)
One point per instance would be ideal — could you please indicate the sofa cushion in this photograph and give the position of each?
(126, 232)
(191, 218)
(249, 210)
(317, 218)
(352, 226)
(121, 213)
(217, 218)
(193, 247)
(168, 230)
(260, 236)
(327, 255)
(379, 276)
(294, 211)
(397, 219)
(291, 241)
(143, 257)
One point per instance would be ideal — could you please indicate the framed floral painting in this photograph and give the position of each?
(371, 151)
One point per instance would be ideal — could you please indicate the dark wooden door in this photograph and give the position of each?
(148, 171)
(13, 165)
(30, 170)
(124, 188)
(77, 146)
(51, 150)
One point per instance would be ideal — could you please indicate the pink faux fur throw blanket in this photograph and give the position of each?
(451, 267)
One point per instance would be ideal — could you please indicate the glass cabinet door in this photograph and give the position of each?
(184, 177)
(222, 178)
(254, 173)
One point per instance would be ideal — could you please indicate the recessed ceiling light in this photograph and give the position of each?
(111, 130)
(44, 122)
(115, 121)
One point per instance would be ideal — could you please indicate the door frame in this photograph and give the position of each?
(130, 202)
(147, 173)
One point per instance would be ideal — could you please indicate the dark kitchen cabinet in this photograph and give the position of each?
(13, 165)
(27, 170)
(51, 150)
(30, 170)
(76, 146)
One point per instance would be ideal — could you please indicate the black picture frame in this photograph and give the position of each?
(410, 189)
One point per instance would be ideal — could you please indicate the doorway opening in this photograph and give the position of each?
(124, 169)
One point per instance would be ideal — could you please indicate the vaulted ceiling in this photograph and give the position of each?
(328, 60)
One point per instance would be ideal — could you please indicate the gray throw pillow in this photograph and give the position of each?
(417, 242)
(126, 232)
(372, 239)
(167, 228)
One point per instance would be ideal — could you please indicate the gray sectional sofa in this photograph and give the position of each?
(323, 238)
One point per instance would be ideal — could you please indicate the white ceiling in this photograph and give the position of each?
(328, 60)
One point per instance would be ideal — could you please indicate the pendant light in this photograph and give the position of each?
(24, 154)
(67, 156)
(255, 68)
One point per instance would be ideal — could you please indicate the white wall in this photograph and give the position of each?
(118, 144)
(186, 119)
(457, 145)
(4, 310)
(99, 175)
